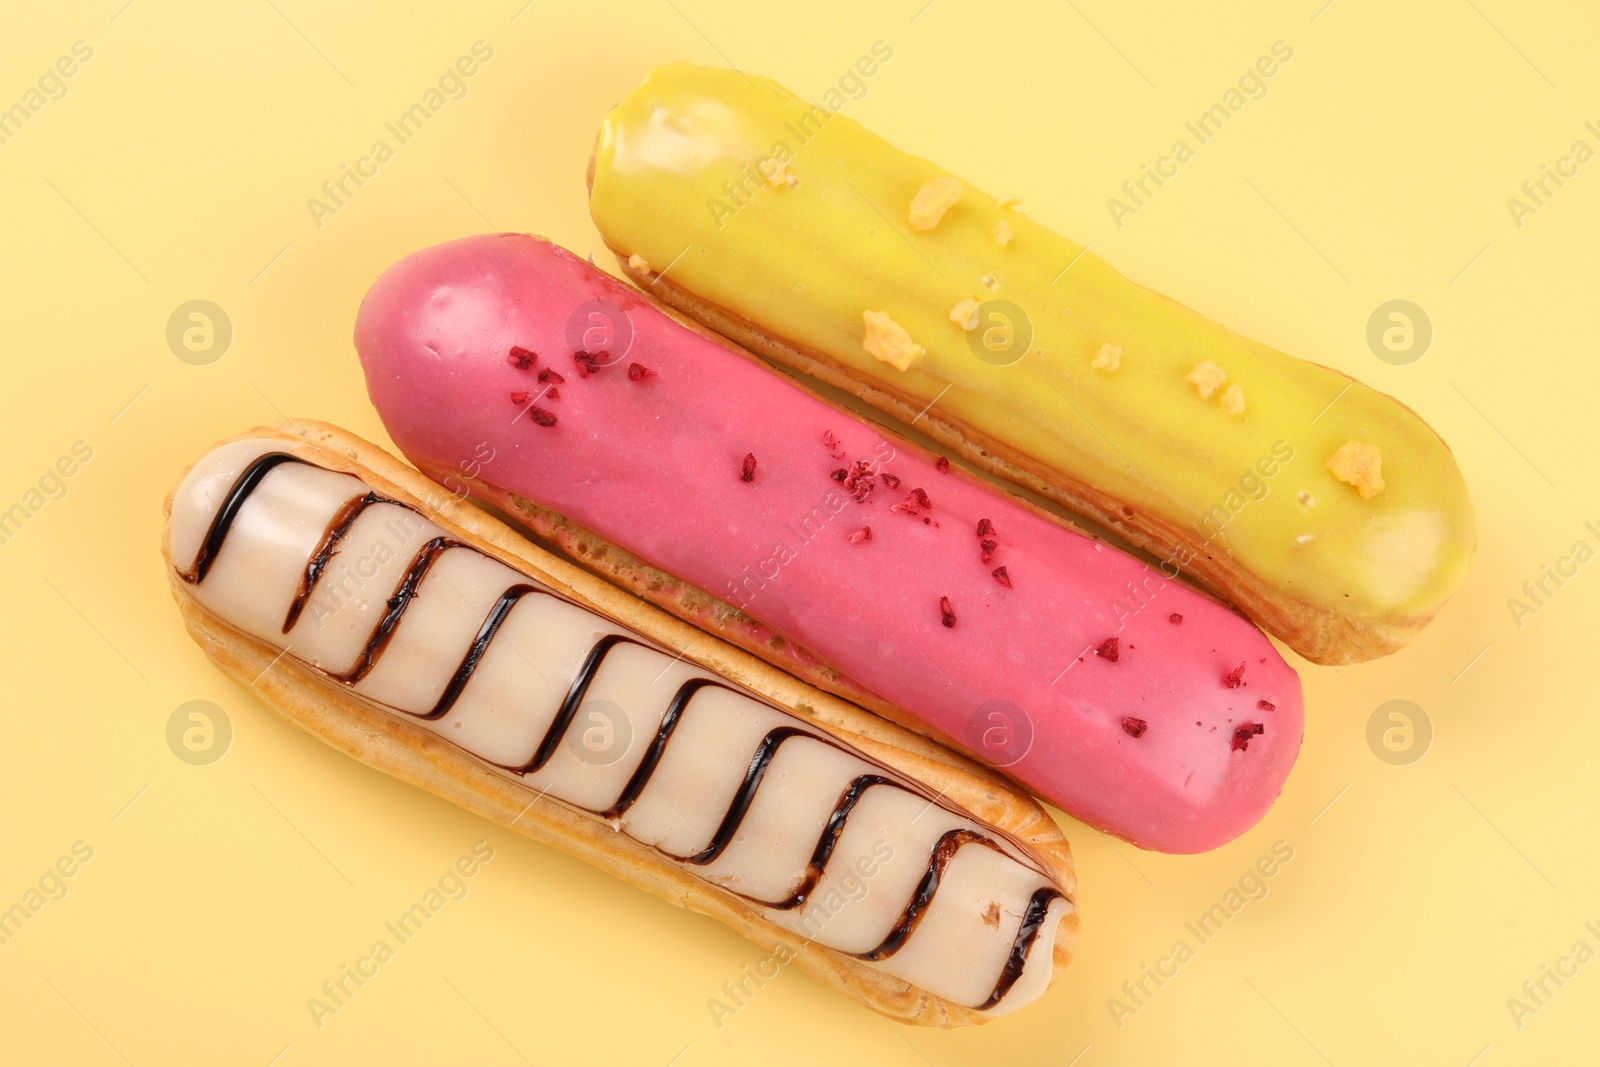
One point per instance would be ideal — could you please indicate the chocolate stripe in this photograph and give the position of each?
(747, 792)
(480, 645)
(943, 853)
(340, 525)
(658, 745)
(569, 705)
(222, 521)
(1027, 934)
(421, 563)
(829, 839)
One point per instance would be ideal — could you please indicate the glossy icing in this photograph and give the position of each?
(654, 465)
(827, 842)
(804, 261)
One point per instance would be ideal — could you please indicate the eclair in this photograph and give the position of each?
(415, 633)
(687, 470)
(1328, 512)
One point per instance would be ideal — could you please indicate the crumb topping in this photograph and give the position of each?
(1233, 400)
(638, 262)
(1205, 378)
(931, 202)
(1001, 233)
(1109, 358)
(775, 172)
(1361, 465)
(888, 341)
(965, 314)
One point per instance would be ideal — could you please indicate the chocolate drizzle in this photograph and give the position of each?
(480, 645)
(1027, 934)
(421, 564)
(658, 745)
(406, 591)
(222, 522)
(943, 852)
(343, 519)
(569, 704)
(765, 751)
(829, 839)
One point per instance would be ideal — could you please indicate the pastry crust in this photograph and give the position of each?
(386, 742)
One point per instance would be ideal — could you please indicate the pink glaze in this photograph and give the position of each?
(654, 465)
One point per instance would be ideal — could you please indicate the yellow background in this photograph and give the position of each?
(178, 166)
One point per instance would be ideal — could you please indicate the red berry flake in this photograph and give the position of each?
(589, 362)
(1174, 618)
(548, 375)
(519, 398)
(943, 465)
(985, 528)
(918, 500)
(858, 479)
(831, 443)
(1266, 705)
(1242, 735)
(947, 614)
(638, 372)
(1108, 650)
(1234, 678)
(521, 358)
(890, 480)
(747, 469)
(988, 548)
(840, 475)
(553, 393)
(863, 534)
(1001, 576)
(541, 416)
(1134, 727)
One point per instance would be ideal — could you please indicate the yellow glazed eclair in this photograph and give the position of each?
(424, 638)
(1328, 512)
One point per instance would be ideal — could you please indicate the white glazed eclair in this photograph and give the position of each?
(428, 640)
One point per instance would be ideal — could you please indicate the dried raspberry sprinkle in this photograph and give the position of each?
(541, 416)
(943, 464)
(747, 469)
(1174, 618)
(1242, 736)
(521, 358)
(589, 362)
(863, 534)
(553, 393)
(1234, 678)
(519, 398)
(985, 528)
(890, 480)
(947, 614)
(638, 372)
(840, 475)
(916, 500)
(1108, 650)
(988, 548)
(548, 375)
(1001, 576)
(1266, 705)
(1134, 727)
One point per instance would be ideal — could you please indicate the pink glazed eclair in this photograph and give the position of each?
(678, 465)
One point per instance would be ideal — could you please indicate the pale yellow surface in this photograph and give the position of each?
(177, 167)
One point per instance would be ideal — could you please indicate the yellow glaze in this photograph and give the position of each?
(676, 180)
